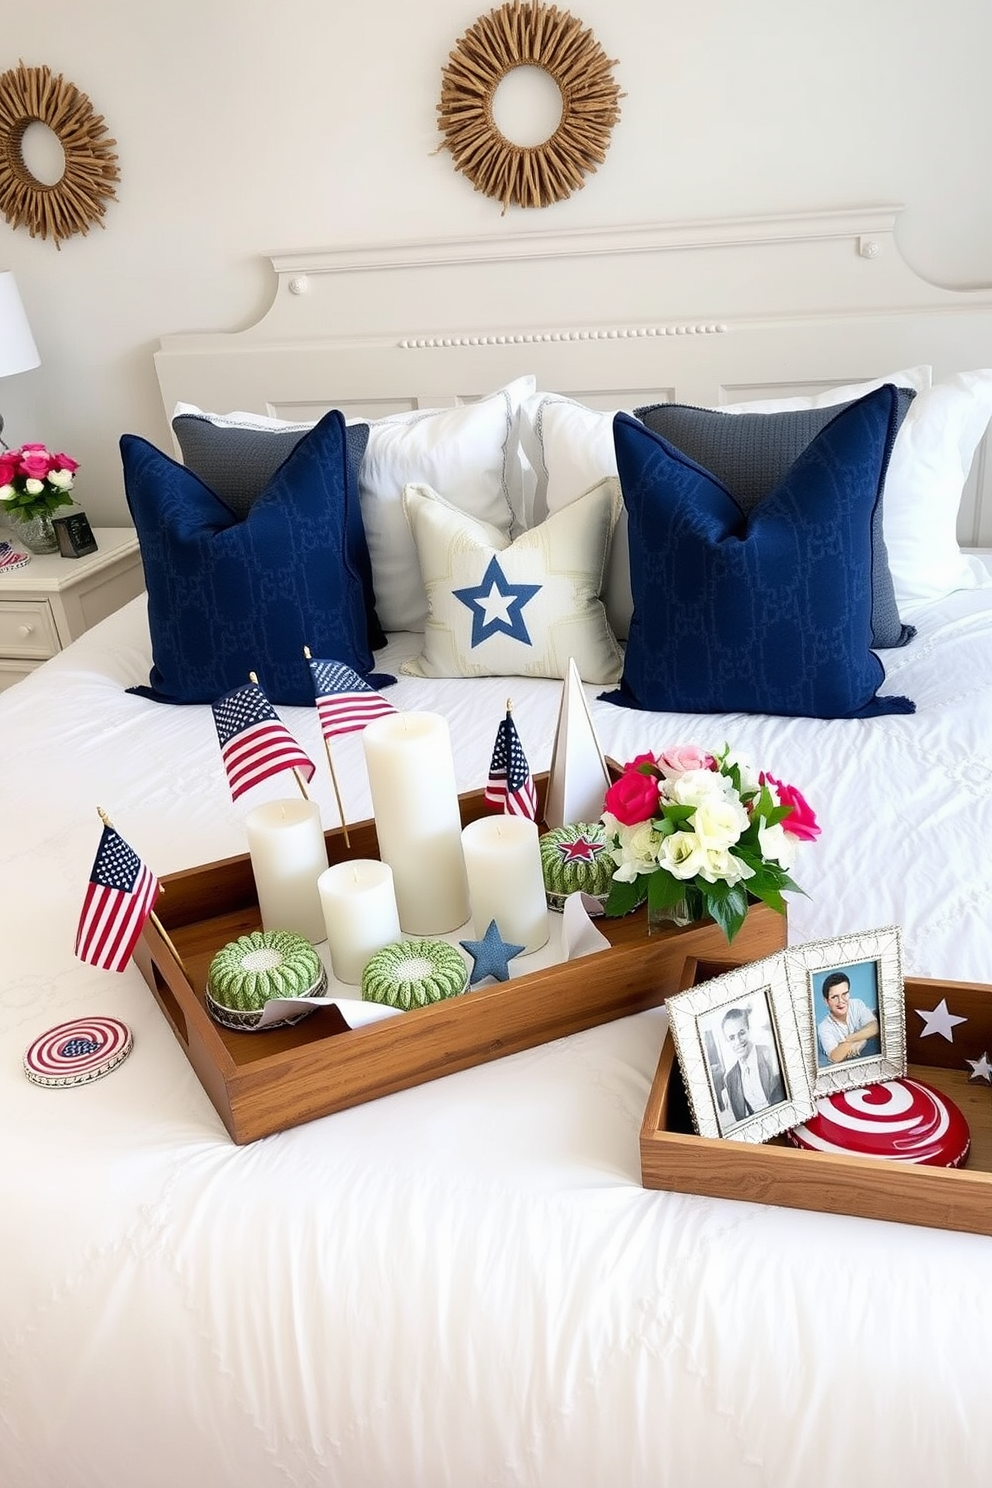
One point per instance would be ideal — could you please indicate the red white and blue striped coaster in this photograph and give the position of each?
(76, 1053)
(11, 557)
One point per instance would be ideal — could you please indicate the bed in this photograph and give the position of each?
(465, 1282)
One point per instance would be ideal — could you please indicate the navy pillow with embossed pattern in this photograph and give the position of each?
(228, 596)
(751, 452)
(766, 612)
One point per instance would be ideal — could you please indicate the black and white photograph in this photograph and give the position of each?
(742, 1058)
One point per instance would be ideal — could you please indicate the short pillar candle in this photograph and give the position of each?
(506, 880)
(418, 819)
(288, 855)
(360, 914)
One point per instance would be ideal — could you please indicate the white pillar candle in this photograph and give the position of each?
(505, 880)
(360, 914)
(288, 855)
(417, 819)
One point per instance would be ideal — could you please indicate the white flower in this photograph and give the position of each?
(719, 824)
(34, 487)
(60, 479)
(681, 855)
(748, 774)
(776, 843)
(7, 493)
(719, 864)
(696, 786)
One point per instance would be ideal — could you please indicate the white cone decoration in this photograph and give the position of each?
(578, 778)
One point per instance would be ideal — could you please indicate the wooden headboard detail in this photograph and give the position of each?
(705, 313)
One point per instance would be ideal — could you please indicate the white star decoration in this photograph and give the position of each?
(940, 1020)
(496, 606)
(980, 1068)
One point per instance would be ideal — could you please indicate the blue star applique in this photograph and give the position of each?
(491, 955)
(497, 605)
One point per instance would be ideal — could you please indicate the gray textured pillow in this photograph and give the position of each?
(750, 453)
(238, 463)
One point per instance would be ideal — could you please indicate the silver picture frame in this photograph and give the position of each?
(739, 1044)
(851, 1009)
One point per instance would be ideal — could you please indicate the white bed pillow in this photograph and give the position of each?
(468, 454)
(515, 609)
(570, 447)
(471, 450)
(930, 462)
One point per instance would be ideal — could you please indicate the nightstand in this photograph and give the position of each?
(52, 600)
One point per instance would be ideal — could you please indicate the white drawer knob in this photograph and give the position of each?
(25, 630)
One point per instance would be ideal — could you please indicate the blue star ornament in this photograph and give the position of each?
(497, 605)
(491, 956)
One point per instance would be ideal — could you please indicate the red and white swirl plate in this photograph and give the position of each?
(901, 1120)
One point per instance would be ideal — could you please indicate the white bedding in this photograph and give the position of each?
(465, 1283)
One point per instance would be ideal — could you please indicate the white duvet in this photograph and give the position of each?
(465, 1284)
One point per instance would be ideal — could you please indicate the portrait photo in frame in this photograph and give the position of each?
(741, 1052)
(851, 1008)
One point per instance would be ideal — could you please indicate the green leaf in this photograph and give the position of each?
(624, 898)
(665, 890)
(729, 910)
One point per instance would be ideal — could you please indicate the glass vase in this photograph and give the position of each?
(664, 917)
(36, 533)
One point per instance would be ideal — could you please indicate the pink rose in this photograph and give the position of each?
(675, 762)
(35, 463)
(8, 469)
(634, 797)
(801, 821)
(64, 462)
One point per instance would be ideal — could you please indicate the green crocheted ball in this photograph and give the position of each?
(575, 858)
(414, 973)
(266, 963)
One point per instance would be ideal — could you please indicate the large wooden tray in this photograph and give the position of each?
(674, 1157)
(265, 1082)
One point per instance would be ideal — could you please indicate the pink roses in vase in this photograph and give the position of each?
(33, 481)
(706, 829)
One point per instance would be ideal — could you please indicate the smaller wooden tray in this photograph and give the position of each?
(263, 1082)
(674, 1157)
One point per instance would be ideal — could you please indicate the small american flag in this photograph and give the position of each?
(119, 898)
(345, 701)
(254, 741)
(510, 783)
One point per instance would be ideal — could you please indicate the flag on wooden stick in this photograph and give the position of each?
(510, 782)
(345, 701)
(119, 898)
(254, 741)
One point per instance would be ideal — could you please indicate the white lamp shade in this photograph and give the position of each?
(18, 352)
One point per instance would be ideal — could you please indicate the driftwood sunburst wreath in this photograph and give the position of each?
(35, 95)
(528, 35)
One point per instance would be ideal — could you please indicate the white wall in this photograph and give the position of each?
(244, 128)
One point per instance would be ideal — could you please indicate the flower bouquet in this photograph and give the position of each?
(34, 482)
(704, 829)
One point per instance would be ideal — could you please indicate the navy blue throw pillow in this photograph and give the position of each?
(227, 597)
(238, 463)
(768, 612)
(751, 452)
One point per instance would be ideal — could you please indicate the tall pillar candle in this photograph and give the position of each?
(505, 879)
(360, 914)
(288, 855)
(417, 819)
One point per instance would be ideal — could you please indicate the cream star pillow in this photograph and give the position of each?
(520, 609)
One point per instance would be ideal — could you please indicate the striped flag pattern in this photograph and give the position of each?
(254, 741)
(510, 782)
(119, 898)
(345, 701)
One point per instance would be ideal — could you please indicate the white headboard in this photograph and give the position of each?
(704, 313)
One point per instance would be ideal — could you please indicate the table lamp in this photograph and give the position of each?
(18, 352)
